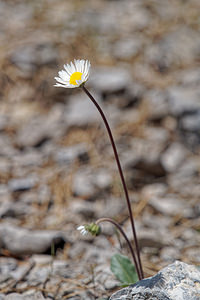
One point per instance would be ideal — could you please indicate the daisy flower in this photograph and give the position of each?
(92, 228)
(74, 74)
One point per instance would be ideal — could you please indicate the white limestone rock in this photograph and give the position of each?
(178, 281)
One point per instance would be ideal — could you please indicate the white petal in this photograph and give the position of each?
(87, 67)
(60, 85)
(73, 67)
(60, 80)
(79, 82)
(80, 227)
(81, 66)
(72, 86)
(67, 70)
(70, 69)
(63, 75)
(77, 65)
(84, 67)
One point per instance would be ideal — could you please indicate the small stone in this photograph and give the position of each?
(67, 155)
(157, 135)
(5, 194)
(28, 58)
(193, 253)
(191, 122)
(33, 134)
(102, 179)
(83, 185)
(14, 210)
(173, 157)
(139, 16)
(169, 205)
(39, 275)
(41, 128)
(4, 121)
(14, 296)
(169, 254)
(6, 146)
(84, 208)
(33, 295)
(134, 94)
(7, 265)
(181, 46)
(81, 112)
(189, 168)
(111, 207)
(20, 241)
(146, 157)
(22, 269)
(41, 259)
(77, 249)
(183, 100)
(190, 77)
(110, 80)
(5, 166)
(28, 158)
(127, 48)
(61, 268)
(22, 184)
(165, 11)
(154, 190)
(156, 222)
(148, 238)
(111, 284)
(88, 183)
(156, 104)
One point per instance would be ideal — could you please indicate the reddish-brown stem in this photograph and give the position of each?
(121, 176)
(125, 237)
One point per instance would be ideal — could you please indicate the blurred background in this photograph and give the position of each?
(57, 169)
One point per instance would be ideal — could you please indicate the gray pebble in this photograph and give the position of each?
(173, 157)
(28, 58)
(191, 122)
(21, 241)
(81, 111)
(169, 205)
(67, 155)
(110, 80)
(22, 184)
(14, 296)
(183, 100)
(127, 48)
(177, 47)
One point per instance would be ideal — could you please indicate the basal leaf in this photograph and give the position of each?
(123, 269)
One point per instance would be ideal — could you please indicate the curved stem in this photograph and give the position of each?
(121, 176)
(125, 237)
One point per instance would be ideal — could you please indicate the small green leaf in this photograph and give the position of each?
(123, 269)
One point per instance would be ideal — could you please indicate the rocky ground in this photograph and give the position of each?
(57, 169)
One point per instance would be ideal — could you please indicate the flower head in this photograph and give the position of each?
(74, 75)
(92, 228)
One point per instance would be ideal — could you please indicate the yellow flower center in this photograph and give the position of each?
(75, 76)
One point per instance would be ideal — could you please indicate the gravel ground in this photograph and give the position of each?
(57, 169)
